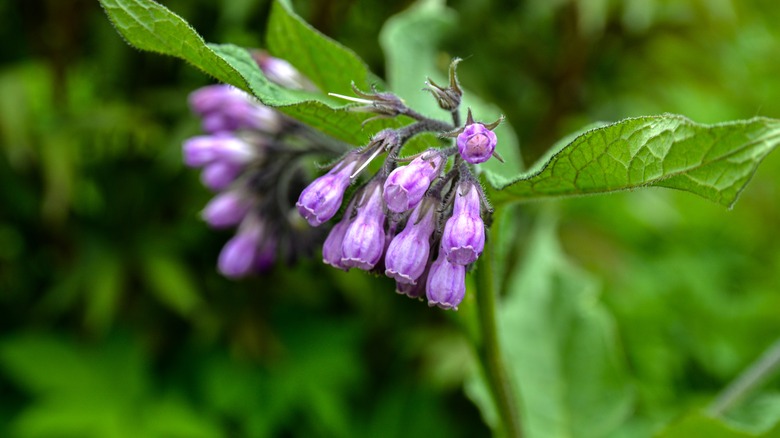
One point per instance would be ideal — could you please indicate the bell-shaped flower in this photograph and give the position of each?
(463, 239)
(446, 284)
(364, 240)
(226, 210)
(407, 255)
(331, 249)
(320, 201)
(205, 149)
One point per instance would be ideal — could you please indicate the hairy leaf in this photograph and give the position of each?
(712, 161)
(148, 25)
(331, 66)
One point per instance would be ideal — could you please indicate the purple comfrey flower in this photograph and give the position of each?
(406, 185)
(463, 238)
(321, 200)
(331, 249)
(476, 143)
(237, 258)
(211, 98)
(220, 174)
(364, 240)
(205, 149)
(225, 108)
(407, 254)
(446, 285)
(226, 210)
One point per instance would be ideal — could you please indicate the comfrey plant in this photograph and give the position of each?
(401, 203)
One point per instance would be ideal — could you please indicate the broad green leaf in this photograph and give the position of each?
(757, 415)
(561, 346)
(148, 25)
(328, 64)
(410, 41)
(712, 161)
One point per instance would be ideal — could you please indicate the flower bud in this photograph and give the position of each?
(210, 98)
(331, 249)
(226, 210)
(463, 238)
(364, 240)
(446, 285)
(237, 258)
(321, 200)
(219, 175)
(476, 143)
(407, 254)
(205, 149)
(406, 185)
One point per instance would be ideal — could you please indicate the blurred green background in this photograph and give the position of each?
(114, 322)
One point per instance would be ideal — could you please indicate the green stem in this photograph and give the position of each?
(489, 350)
(753, 377)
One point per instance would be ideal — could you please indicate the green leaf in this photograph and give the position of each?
(328, 64)
(147, 25)
(712, 161)
(561, 346)
(410, 41)
(150, 26)
(171, 282)
(697, 425)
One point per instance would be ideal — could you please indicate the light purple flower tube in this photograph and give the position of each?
(321, 200)
(205, 149)
(237, 258)
(407, 254)
(226, 210)
(406, 185)
(219, 175)
(463, 239)
(364, 241)
(331, 249)
(446, 285)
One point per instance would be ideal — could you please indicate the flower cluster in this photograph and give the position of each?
(250, 156)
(419, 219)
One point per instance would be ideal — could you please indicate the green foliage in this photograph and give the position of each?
(561, 345)
(625, 316)
(715, 162)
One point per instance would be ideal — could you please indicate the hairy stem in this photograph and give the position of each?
(750, 379)
(502, 389)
